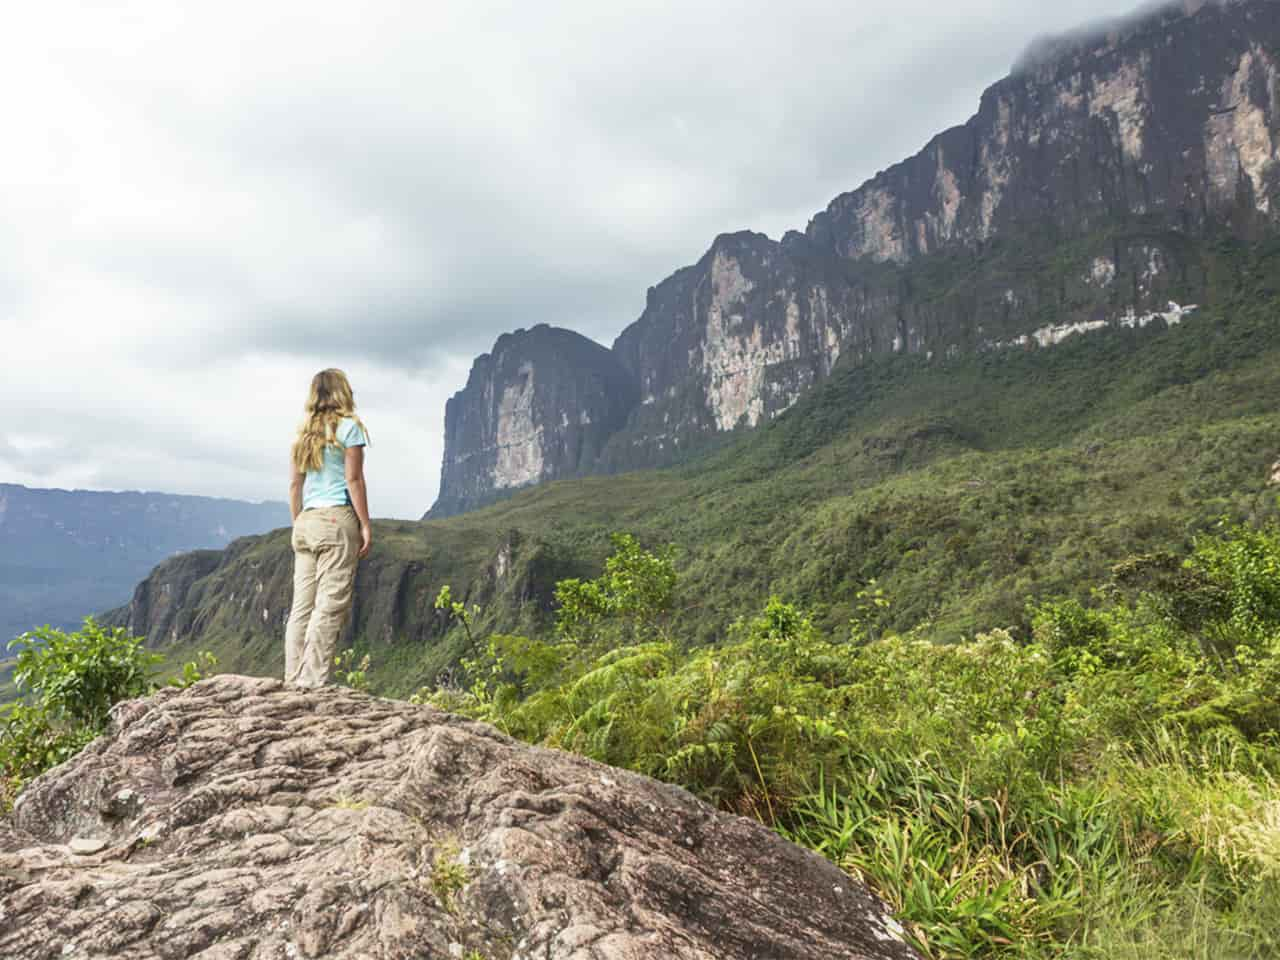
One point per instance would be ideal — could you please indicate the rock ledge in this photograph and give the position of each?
(242, 819)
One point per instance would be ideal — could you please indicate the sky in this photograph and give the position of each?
(201, 203)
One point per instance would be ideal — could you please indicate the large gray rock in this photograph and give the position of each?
(243, 819)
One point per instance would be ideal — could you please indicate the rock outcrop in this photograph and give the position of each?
(539, 407)
(1085, 193)
(242, 820)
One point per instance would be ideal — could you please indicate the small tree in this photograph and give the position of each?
(71, 681)
(631, 602)
(78, 677)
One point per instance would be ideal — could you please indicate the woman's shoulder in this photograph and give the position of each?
(350, 432)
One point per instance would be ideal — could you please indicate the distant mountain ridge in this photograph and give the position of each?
(65, 554)
(1084, 193)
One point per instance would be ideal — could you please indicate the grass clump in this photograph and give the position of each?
(448, 874)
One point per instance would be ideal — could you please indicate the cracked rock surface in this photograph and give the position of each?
(243, 819)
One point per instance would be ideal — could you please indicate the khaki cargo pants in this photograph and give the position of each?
(326, 546)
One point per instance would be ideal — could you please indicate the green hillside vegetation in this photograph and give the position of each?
(962, 487)
(1103, 785)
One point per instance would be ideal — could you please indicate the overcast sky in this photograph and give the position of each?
(201, 204)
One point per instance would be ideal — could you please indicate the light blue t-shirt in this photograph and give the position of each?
(327, 487)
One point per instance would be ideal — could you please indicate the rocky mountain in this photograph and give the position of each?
(241, 819)
(540, 406)
(65, 554)
(1086, 192)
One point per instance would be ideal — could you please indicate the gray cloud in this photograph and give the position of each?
(202, 204)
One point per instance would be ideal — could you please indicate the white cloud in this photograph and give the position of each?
(203, 203)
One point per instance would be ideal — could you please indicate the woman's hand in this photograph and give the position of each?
(366, 539)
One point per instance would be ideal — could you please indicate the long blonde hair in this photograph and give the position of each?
(329, 401)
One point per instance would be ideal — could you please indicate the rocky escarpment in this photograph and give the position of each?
(1088, 191)
(162, 603)
(539, 407)
(1176, 119)
(235, 603)
(241, 820)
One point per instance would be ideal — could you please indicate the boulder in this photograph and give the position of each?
(241, 819)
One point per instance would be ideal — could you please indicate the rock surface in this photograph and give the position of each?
(1085, 193)
(540, 406)
(243, 819)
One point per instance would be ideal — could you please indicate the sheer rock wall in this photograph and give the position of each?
(1083, 193)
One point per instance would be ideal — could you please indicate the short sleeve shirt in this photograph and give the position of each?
(327, 487)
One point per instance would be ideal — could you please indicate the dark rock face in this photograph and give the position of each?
(539, 407)
(733, 341)
(1085, 192)
(1175, 119)
(235, 602)
(162, 604)
(241, 820)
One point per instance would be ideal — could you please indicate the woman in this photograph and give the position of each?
(331, 530)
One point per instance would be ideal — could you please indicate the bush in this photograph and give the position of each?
(71, 681)
(78, 677)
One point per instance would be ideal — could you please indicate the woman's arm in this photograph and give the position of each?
(359, 496)
(296, 480)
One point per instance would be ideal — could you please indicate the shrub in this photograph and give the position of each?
(71, 681)
(78, 677)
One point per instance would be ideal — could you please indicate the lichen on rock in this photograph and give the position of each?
(243, 820)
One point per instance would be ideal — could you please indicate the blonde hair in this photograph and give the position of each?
(329, 401)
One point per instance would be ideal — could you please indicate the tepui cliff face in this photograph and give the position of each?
(243, 820)
(1079, 196)
(540, 406)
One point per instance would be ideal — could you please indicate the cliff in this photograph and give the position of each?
(242, 819)
(539, 407)
(236, 602)
(1084, 193)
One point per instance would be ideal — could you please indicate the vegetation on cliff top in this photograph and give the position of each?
(1102, 785)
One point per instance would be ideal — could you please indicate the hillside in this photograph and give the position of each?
(65, 554)
(963, 487)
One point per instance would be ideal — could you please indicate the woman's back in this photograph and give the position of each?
(327, 487)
